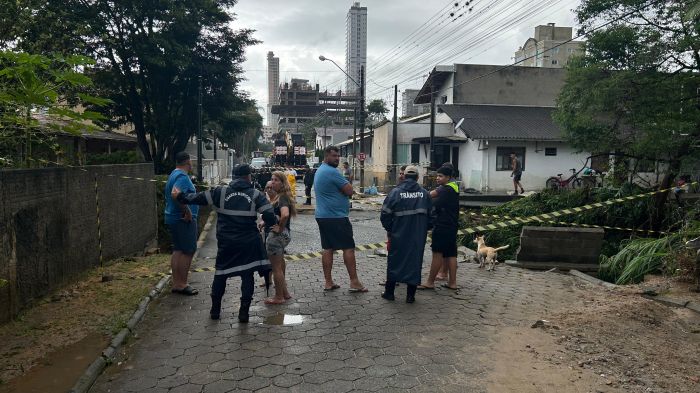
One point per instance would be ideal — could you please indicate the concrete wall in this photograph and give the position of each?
(48, 230)
(564, 245)
(510, 86)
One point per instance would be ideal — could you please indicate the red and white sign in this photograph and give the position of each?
(361, 156)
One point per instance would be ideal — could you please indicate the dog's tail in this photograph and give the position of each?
(501, 248)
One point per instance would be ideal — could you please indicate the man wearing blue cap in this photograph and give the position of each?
(240, 248)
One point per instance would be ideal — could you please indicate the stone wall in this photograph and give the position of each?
(561, 245)
(48, 225)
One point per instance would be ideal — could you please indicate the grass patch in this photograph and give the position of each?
(71, 313)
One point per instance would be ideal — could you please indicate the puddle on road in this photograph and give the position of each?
(283, 319)
(59, 370)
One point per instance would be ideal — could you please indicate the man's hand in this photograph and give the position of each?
(174, 193)
(187, 214)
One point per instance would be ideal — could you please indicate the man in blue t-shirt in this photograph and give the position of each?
(182, 222)
(332, 210)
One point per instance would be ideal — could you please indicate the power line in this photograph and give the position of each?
(628, 14)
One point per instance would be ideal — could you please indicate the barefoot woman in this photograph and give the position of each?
(278, 236)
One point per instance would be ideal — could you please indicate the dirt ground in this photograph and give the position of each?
(78, 319)
(616, 341)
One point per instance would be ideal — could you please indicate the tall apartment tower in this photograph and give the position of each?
(548, 48)
(355, 45)
(273, 88)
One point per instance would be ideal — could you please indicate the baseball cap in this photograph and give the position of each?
(410, 170)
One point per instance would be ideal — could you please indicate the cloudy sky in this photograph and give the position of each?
(406, 38)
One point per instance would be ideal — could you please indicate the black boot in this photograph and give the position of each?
(411, 294)
(243, 314)
(215, 312)
(389, 287)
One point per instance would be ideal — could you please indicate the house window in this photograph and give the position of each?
(555, 62)
(415, 153)
(442, 154)
(503, 157)
(550, 151)
(402, 151)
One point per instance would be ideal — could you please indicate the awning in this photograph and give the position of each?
(441, 139)
(349, 141)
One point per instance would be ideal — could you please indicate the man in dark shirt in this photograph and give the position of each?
(308, 183)
(517, 173)
(444, 245)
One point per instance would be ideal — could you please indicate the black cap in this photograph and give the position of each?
(443, 170)
(241, 170)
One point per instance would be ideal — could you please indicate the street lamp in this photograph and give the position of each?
(361, 85)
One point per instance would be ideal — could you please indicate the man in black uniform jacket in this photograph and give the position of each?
(240, 248)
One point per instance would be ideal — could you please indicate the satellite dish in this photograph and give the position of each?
(459, 123)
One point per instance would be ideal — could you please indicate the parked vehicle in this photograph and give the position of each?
(258, 162)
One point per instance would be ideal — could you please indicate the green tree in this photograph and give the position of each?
(153, 60)
(376, 109)
(635, 90)
(38, 98)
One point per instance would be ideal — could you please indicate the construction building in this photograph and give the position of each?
(273, 88)
(355, 45)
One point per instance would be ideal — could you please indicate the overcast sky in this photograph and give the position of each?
(298, 31)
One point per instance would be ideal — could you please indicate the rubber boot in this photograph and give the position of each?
(215, 312)
(389, 287)
(243, 312)
(411, 294)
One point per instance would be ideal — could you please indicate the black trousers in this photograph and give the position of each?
(247, 287)
(307, 192)
(389, 287)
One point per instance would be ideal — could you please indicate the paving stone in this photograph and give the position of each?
(187, 388)
(287, 380)
(300, 368)
(348, 342)
(222, 386)
(254, 383)
(269, 371)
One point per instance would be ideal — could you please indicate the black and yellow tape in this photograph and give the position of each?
(553, 215)
(647, 231)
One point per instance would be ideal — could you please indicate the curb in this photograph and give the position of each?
(665, 300)
(591, 279)
(95, 369)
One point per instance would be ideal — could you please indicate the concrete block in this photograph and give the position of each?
(668, 301)
(693, 306)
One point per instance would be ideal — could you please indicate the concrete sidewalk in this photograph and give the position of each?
(345, 342)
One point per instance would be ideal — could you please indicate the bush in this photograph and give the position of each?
(632, 214)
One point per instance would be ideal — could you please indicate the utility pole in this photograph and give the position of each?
(432, 126)
(394, 137)
(325, 123)
(362, 127)
(200, 155)
(214, 137)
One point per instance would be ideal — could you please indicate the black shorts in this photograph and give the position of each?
(445, 242)
(336, 233)
(184, 236)
(517, 176)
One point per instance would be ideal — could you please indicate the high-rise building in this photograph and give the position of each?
(548, 48)
(355, 45)
(273, 88)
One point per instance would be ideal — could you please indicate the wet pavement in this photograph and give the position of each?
(333, 341)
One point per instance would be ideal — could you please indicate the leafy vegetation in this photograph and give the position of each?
(153, 60)
(39, 96)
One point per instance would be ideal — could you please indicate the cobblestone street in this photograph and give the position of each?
(345, 342)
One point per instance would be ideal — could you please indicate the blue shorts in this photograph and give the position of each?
(184, 235)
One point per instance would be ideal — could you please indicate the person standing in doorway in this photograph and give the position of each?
(517, 173)
(347, 172)
(406, 217)
(444, 246)
(182, 223)
(332, 216)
